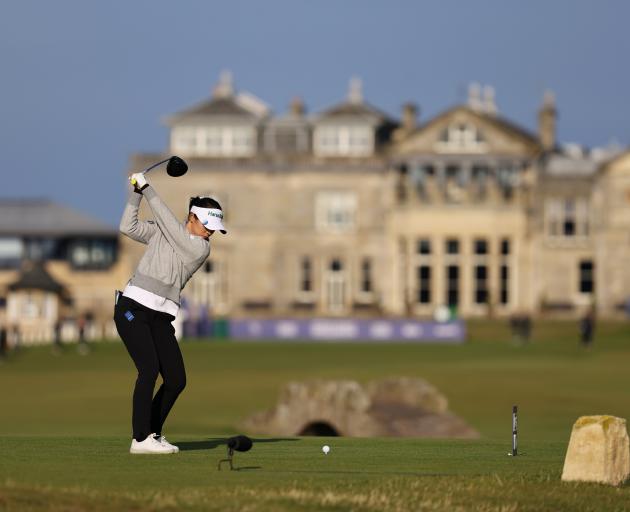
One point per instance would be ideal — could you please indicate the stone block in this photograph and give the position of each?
(598, 451)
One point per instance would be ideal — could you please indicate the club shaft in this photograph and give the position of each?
(155, 165)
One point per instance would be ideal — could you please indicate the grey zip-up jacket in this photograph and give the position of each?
(173, 255)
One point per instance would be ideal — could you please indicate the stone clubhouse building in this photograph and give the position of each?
(347, 212)
(350, 212)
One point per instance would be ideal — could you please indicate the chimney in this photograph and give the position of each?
(489, 103)
(409, 117)
(474, 96)
(297, 108)
(225, 86)
(355, 91)
(547, 121)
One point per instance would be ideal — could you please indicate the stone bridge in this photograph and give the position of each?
(394, 407)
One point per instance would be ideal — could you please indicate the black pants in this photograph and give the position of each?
(150, 340)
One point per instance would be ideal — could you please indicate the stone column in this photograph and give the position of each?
(418, 179)
(465, 175)
(440, 177)
(396, 290)
(492, 183)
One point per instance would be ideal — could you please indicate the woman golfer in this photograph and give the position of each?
(145, 309)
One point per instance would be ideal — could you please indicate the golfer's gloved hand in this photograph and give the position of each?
(138, 181)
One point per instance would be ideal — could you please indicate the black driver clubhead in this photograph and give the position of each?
(239, 443)
(176, 167)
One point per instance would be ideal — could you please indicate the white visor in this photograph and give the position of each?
(211, 218)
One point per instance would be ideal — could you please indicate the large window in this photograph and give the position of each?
(504, 272)
(214, 140)
(569, 220)
(92, 254)
(424, 284)
(567, 217)
(452, 285)
(184, 139)
(480, 246)
(504, 284)
(452, 246)
(11, 252)
(39, 249)
(481, 284)
(208, 287)
(32, 306)
(366, 276)
(306, 275)
(587, 277)
(343, 140)
(424, 246)
(335, 211)
(423, 264)
(452, 259)
(480, 270)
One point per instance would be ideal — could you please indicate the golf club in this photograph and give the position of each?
(175, 167)
(237, 443)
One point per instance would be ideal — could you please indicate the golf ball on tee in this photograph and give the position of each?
(325, 449)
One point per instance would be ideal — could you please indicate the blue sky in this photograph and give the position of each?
(85, 83)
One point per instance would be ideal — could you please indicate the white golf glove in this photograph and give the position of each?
(138, 180)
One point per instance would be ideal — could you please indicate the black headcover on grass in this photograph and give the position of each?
(239, 443)
(235, 444)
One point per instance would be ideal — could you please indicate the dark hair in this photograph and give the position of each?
(204, 202)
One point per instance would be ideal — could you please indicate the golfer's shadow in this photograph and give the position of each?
(214, 442)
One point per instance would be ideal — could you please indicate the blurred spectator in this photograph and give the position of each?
(81, 326)
(587, 327)
(521, 325)
(4, 343)
(58, 345)
(16, 337)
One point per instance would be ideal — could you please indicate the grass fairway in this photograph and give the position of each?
(65, 422)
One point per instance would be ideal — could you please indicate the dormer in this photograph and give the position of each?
(352, 128)
(225, 126)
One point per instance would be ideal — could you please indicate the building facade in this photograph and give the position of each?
(349, 212)
(58, 272)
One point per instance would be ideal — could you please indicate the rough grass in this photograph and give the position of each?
(64, 428)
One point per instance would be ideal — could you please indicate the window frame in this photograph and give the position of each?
(336, 211)
(581, 277)
(349, 140)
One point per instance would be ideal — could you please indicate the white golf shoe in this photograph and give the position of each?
(149, 445)
(162, 440)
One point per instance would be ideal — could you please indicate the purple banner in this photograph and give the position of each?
(348, 330)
